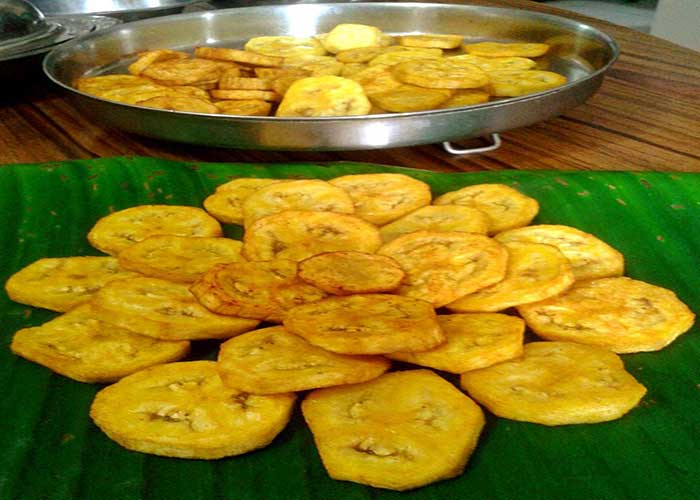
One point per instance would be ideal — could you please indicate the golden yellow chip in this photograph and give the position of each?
(517, 83)
(191, 91)
(444, 266)
(489, 64)
(351, 36)
(179, 103)
(285, 46)
(184, 410)
(620, 314)
(444, 73)
(245, 95)
(506, 207)
(376, 79)
(437, 218)
(81, 346)
(62, 283)
(179, 258)
(184, 71)
(367, 324)
(242, 107)
(133, 94)
(281, 84)
(298, 234)
(359, 55)
(556, 383)
(226, 204)
(94, 84)
(315, 65)
(119, 230)
(238, 56)
(400, 431)
(164, 310)
(589, 256)
(474, 341)
(272, 360)
(306, 194)
(229, 82)
(345, 273)
(324, 96)
(274, 73)
(257, 290)
(382, 198)
(431, 40)
(394, 57)
(466, 97)
(149, 57)
(535, 272)
(410, 98)
(496, 49)
(351, 69)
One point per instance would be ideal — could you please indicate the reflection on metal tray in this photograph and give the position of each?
(579, 51)
(126, 10)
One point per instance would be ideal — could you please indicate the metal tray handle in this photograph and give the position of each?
(496, 143)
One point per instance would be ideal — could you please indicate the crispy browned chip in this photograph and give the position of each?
(237, 56)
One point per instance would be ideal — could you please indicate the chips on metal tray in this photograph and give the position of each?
(180, 103)
(497, 49)
(238, 56)
(285, 46)
(184, 410)
(243, 107)
(517, 83)
(400, 431)
(431, 40)
(351, 36)
(556, 383)
(324, 96)
(272, 360)
(443, 73)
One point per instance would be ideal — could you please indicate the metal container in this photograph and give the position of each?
(578, 51)
(125, 10)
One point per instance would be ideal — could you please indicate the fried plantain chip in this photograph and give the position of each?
(238, 56)
(473, 341)
(226, 204)
(443, 73)
(298, 234)
(242, 107)
(367, 324)
(62, 283)
(164, 310)
(149, 57)
(589, 256)
(348, 36)
(466, 97)
(506, 207)
(410, 98)
(497, 49)
(179, 258)
(400, 431)
(285, 46)
(556, 383)
(535, 272)
(184, 410)
(517, 83)
(444, 266)
(620, 314)
(81, 346)
(272, 360)
(345, 273)
(431, 40)
(119, 230)
(184, 71)
(437, 218)
(180, 103)
(324, 96)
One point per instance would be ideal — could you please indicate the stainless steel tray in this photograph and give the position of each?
(126, 10)
(579, 51)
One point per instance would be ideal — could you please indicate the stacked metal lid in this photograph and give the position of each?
(25, 31)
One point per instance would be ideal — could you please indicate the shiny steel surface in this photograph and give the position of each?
(19, 19)
(579, 51)
(126, 10)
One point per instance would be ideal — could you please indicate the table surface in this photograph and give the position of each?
(644, 117)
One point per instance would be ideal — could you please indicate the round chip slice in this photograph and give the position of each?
(444, 73)
(431, 40)
(496, 49)
(164, 310)
(149, 57)
(351, 36)
(394, 57)
(437, 218)
(238, 56)
(180, 103)
(81, 346)
(442, 267)
(473, 341)
(324, 96)
(535, 272)
(620, 314)
(307, 194)
(400, 431)
(184, 410)
(298, 234)
(517, 83)
(118, 230)
(272, 360)
(382, 198)
(376, 80)
(589, 256)
(285, 46)
(226, 204)
(506, 207)
(258, 290)
(367, 324)
(314, 65)
(95, 84)
(243, 107)
(489, 64)
(179, 258)
(466, 98)
(62, 283)
(556, 383)
(345, 273)
(410, 98)
(184, 71)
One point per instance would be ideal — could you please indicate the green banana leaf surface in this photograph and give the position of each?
(50, 449)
